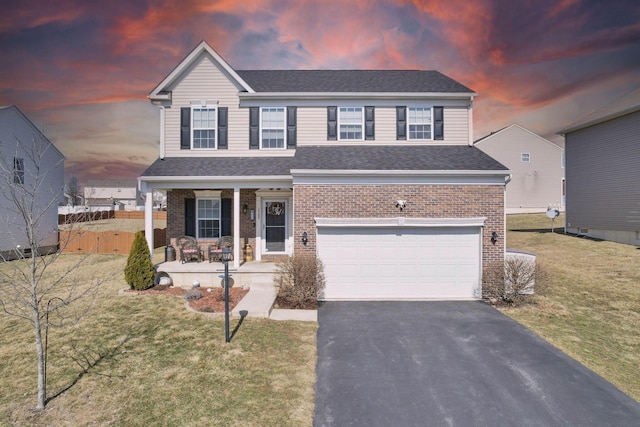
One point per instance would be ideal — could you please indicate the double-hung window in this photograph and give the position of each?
(203, 126)
(419, 122)
(208, 218)
(272, 125)
(350, 122)
(18, 170)
(525, 157)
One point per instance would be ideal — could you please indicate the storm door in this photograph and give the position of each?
(275, 226)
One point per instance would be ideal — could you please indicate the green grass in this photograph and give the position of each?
(591, 310)
(141, 360)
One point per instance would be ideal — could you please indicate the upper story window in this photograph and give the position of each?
(350, 122)
(18, 170)
(272, 125)
(525, 157)
(207, 218)
(419, 123)
(204, 126)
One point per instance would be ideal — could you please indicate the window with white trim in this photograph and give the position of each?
(203, 126)
(525, 157)
(272, 127)
(207, 218)
(350, 122)
(419, 123)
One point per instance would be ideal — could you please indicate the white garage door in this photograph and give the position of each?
(394, 263)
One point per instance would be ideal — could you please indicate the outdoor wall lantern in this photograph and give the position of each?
(305, 238)
(494, 237)
(226, 257)
(244, 209)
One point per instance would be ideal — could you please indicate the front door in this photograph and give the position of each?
(275, 225)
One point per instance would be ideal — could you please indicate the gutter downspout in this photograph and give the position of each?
(162, 119)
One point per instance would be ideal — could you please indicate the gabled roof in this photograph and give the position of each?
(160, 92)
(112, 183)
(300, 82)
(360, 81)
(517, 126)
(627, 104)
(7, 108)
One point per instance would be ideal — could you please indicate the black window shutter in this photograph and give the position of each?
(254, 128)
(185, 128)
(225, 217)
(332, 123)
(223, 112)
(369, 123)
(291, 127)
(401, 123)
(438, 123)
(190, 217)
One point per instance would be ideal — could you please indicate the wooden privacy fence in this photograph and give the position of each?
(95, 216)
(104, 242)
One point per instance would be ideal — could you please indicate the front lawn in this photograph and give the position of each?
(592, 308)
(146, 360)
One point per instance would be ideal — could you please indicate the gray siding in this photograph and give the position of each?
(603, 175)
(15, 127)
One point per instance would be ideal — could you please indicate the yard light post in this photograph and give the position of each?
(226, 257)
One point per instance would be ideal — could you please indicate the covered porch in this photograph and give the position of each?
(255, 210)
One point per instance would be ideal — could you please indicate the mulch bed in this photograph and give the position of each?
(212, 300)
(287, 304)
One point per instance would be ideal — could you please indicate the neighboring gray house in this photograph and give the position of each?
(536, 164)
(372, 170)
(113, 194)
(22, 147)
(603, 172)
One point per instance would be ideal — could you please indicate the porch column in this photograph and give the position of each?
(236, 227)
(148, 219)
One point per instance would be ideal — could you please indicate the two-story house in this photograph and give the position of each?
(372, 170)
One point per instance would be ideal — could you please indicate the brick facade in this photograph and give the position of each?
(423, 201)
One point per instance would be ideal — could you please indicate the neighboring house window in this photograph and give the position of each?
(525, 157)
(350, 122)
(207, 218)
(18, 170)
(272, 124)
(203, 127)
(419, 123)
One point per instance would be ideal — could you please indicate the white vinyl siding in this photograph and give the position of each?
(272, 128)
(206, 83)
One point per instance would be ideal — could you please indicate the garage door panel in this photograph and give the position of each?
(399, 263)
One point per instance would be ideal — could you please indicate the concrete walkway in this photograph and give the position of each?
(259, 303)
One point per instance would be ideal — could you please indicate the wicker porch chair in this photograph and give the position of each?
(215, 251)
(189, 249)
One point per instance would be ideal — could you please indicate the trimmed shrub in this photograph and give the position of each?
(139, 271)
(514, 281)
(300, 281)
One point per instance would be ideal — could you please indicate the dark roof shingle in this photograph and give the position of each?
(219, 166)
(363, 81)
(388, 157)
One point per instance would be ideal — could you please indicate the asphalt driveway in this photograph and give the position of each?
(451, 364)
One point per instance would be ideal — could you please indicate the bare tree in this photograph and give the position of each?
(31, 287)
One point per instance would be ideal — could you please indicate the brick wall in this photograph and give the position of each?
(379, 201)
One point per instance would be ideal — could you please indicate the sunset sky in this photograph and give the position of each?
(81, 70)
